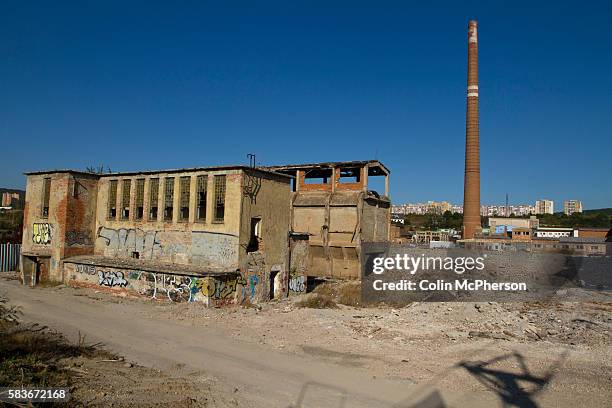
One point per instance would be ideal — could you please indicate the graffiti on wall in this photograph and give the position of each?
(131, 240)
(41, 233)
(297, 283)
(220, 288)
(111, 279)
(198, 247)
(88, 269)
(176, 288)
(77, 238)
(190, 289)
(253, 281)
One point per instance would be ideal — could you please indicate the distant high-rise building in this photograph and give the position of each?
(572, 206)
(544, 207)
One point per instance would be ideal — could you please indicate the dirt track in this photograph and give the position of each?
(281, 355)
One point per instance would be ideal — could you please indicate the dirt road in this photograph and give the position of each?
(320, 372)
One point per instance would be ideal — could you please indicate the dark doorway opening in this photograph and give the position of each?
(273, 275)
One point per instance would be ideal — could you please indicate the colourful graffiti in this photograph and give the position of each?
(218, 288)
(41, 233)
(253, 281)
(111, 279)
(175, 288)
(188, 289)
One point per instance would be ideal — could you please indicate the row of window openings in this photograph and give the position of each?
(567, 246)
(168, 198)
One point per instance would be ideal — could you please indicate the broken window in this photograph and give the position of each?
(201, 204)
(125, 199)
(153, 198)
(255, 240)
(219, 198)
(317, 176)
(140, 184)
(112, 199)
(185, 186)
(350, 175)
(46, 197)
(169, 199)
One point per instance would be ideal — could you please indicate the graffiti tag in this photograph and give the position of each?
(88, 269)
(297, 284)
(41, 233)
(77, 238)
(111, 279)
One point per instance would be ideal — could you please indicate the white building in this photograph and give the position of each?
(544, 207)
(554, 232)
(572, 206)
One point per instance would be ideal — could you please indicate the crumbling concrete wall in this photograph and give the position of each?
(336, 224)
(377, 216)
(266, 199)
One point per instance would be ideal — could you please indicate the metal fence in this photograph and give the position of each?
(9, 257)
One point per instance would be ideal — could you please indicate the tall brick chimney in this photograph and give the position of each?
(471, 188)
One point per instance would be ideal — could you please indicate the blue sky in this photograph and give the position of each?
(179, 84)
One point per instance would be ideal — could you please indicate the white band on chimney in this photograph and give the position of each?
(474, 36)
(472, 94)
(472, 87)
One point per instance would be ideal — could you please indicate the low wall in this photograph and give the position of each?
(210, 290)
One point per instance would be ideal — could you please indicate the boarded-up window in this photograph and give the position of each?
(169, 199)
(185, 187)
(112, 199)
(125, 199)
(153, 198)
(219, 198)
(201, 204)
(46, 197)
(140, 184)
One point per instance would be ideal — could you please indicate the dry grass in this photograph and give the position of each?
(350, 294)
(344, 293)
(317, 301)
(32, 355)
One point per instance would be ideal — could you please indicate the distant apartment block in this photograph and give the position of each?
(520, 210)
(439, 207)
(430, 207)
(544, 207)
(572, 206)
(11, 199)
